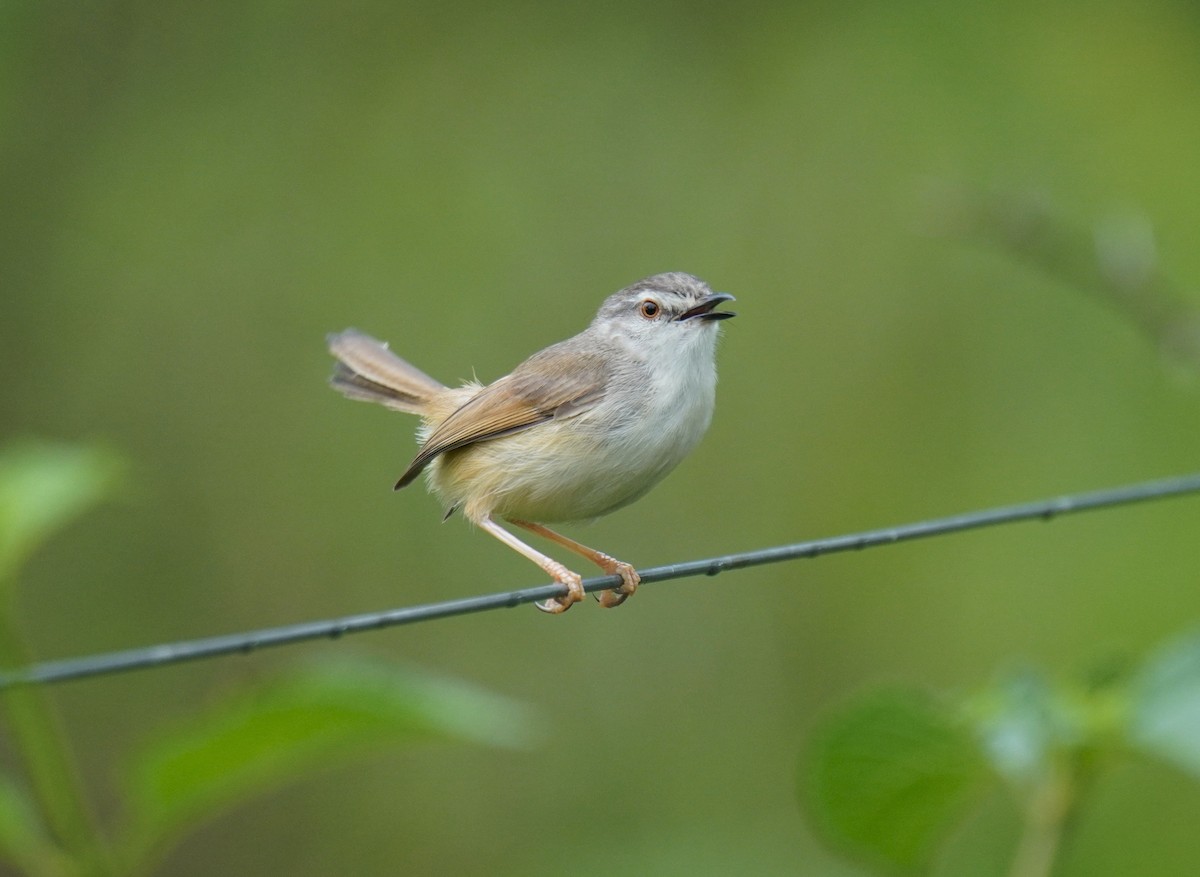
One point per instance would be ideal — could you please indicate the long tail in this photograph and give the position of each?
(368, 371)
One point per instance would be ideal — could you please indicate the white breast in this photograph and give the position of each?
(651, 416)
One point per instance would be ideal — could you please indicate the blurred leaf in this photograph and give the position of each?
(44, 486)
(886, 778)
(23, 839)
(1165, 712)
(304, 721)
(1022, 727)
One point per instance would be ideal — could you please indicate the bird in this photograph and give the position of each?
(576, 431)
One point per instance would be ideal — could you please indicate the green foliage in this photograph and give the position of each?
(1022, 726)
(890, 775)
(1165, 715)
(24, 840)
(253, 740)
(309, 718)
(42, 488)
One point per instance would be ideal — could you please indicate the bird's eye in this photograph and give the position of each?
(649, 309)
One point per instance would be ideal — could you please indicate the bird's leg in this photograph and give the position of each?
(609, 598)
(571, 580)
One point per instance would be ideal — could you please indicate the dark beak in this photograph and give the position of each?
(705, 311)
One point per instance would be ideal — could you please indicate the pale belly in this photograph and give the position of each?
(572, 470)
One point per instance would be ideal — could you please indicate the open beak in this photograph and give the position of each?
(705, 311)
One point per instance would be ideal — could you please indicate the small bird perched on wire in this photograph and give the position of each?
(574, 432)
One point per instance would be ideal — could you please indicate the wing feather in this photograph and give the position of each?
(552, 384)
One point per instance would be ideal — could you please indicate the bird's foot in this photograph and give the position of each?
(572, 581)
(614, 597)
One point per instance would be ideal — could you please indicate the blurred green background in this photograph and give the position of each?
(193, 195)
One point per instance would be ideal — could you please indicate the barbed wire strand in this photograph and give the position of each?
(242, 643)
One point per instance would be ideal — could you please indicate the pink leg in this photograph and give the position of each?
(571, 580)
(629, 577)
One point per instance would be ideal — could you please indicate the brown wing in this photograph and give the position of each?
(551, 384)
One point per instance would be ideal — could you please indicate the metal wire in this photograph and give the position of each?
(243, 643)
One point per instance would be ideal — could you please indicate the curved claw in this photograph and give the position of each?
(573, 582)
(555, 605)
(614, 597)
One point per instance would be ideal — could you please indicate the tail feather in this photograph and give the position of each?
(368, 371)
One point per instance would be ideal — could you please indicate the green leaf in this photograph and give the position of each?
(1023, 728)
(23, 839)
(42, 487)
(1165, 704)
(302, 722)
(887, 777)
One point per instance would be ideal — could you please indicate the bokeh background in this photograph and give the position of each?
(192, 195)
